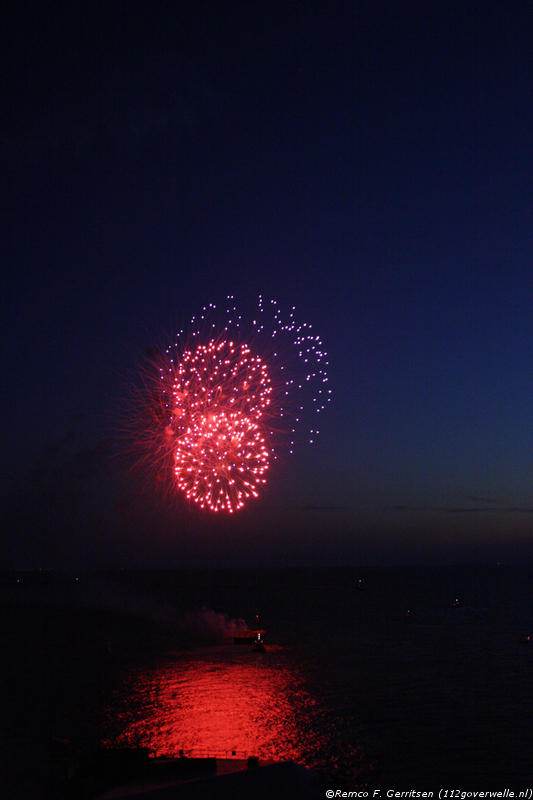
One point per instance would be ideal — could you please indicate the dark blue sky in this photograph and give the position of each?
(370, 163)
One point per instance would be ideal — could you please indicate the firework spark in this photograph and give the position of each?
(230, 394)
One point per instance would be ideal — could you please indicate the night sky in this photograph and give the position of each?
(370, 163)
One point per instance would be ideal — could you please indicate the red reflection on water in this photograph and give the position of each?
(217, 702)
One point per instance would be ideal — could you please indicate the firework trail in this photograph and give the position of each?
(230, 395)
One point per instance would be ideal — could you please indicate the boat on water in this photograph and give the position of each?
(248, 636)
(252, 635)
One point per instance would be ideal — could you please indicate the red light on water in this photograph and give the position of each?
(215, 707)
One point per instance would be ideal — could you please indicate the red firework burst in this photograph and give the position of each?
(220, 461)
(217, 403)
(220, 395)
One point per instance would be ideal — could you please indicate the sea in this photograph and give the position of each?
(392, 678)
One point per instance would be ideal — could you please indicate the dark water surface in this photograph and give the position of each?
(441, 698)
